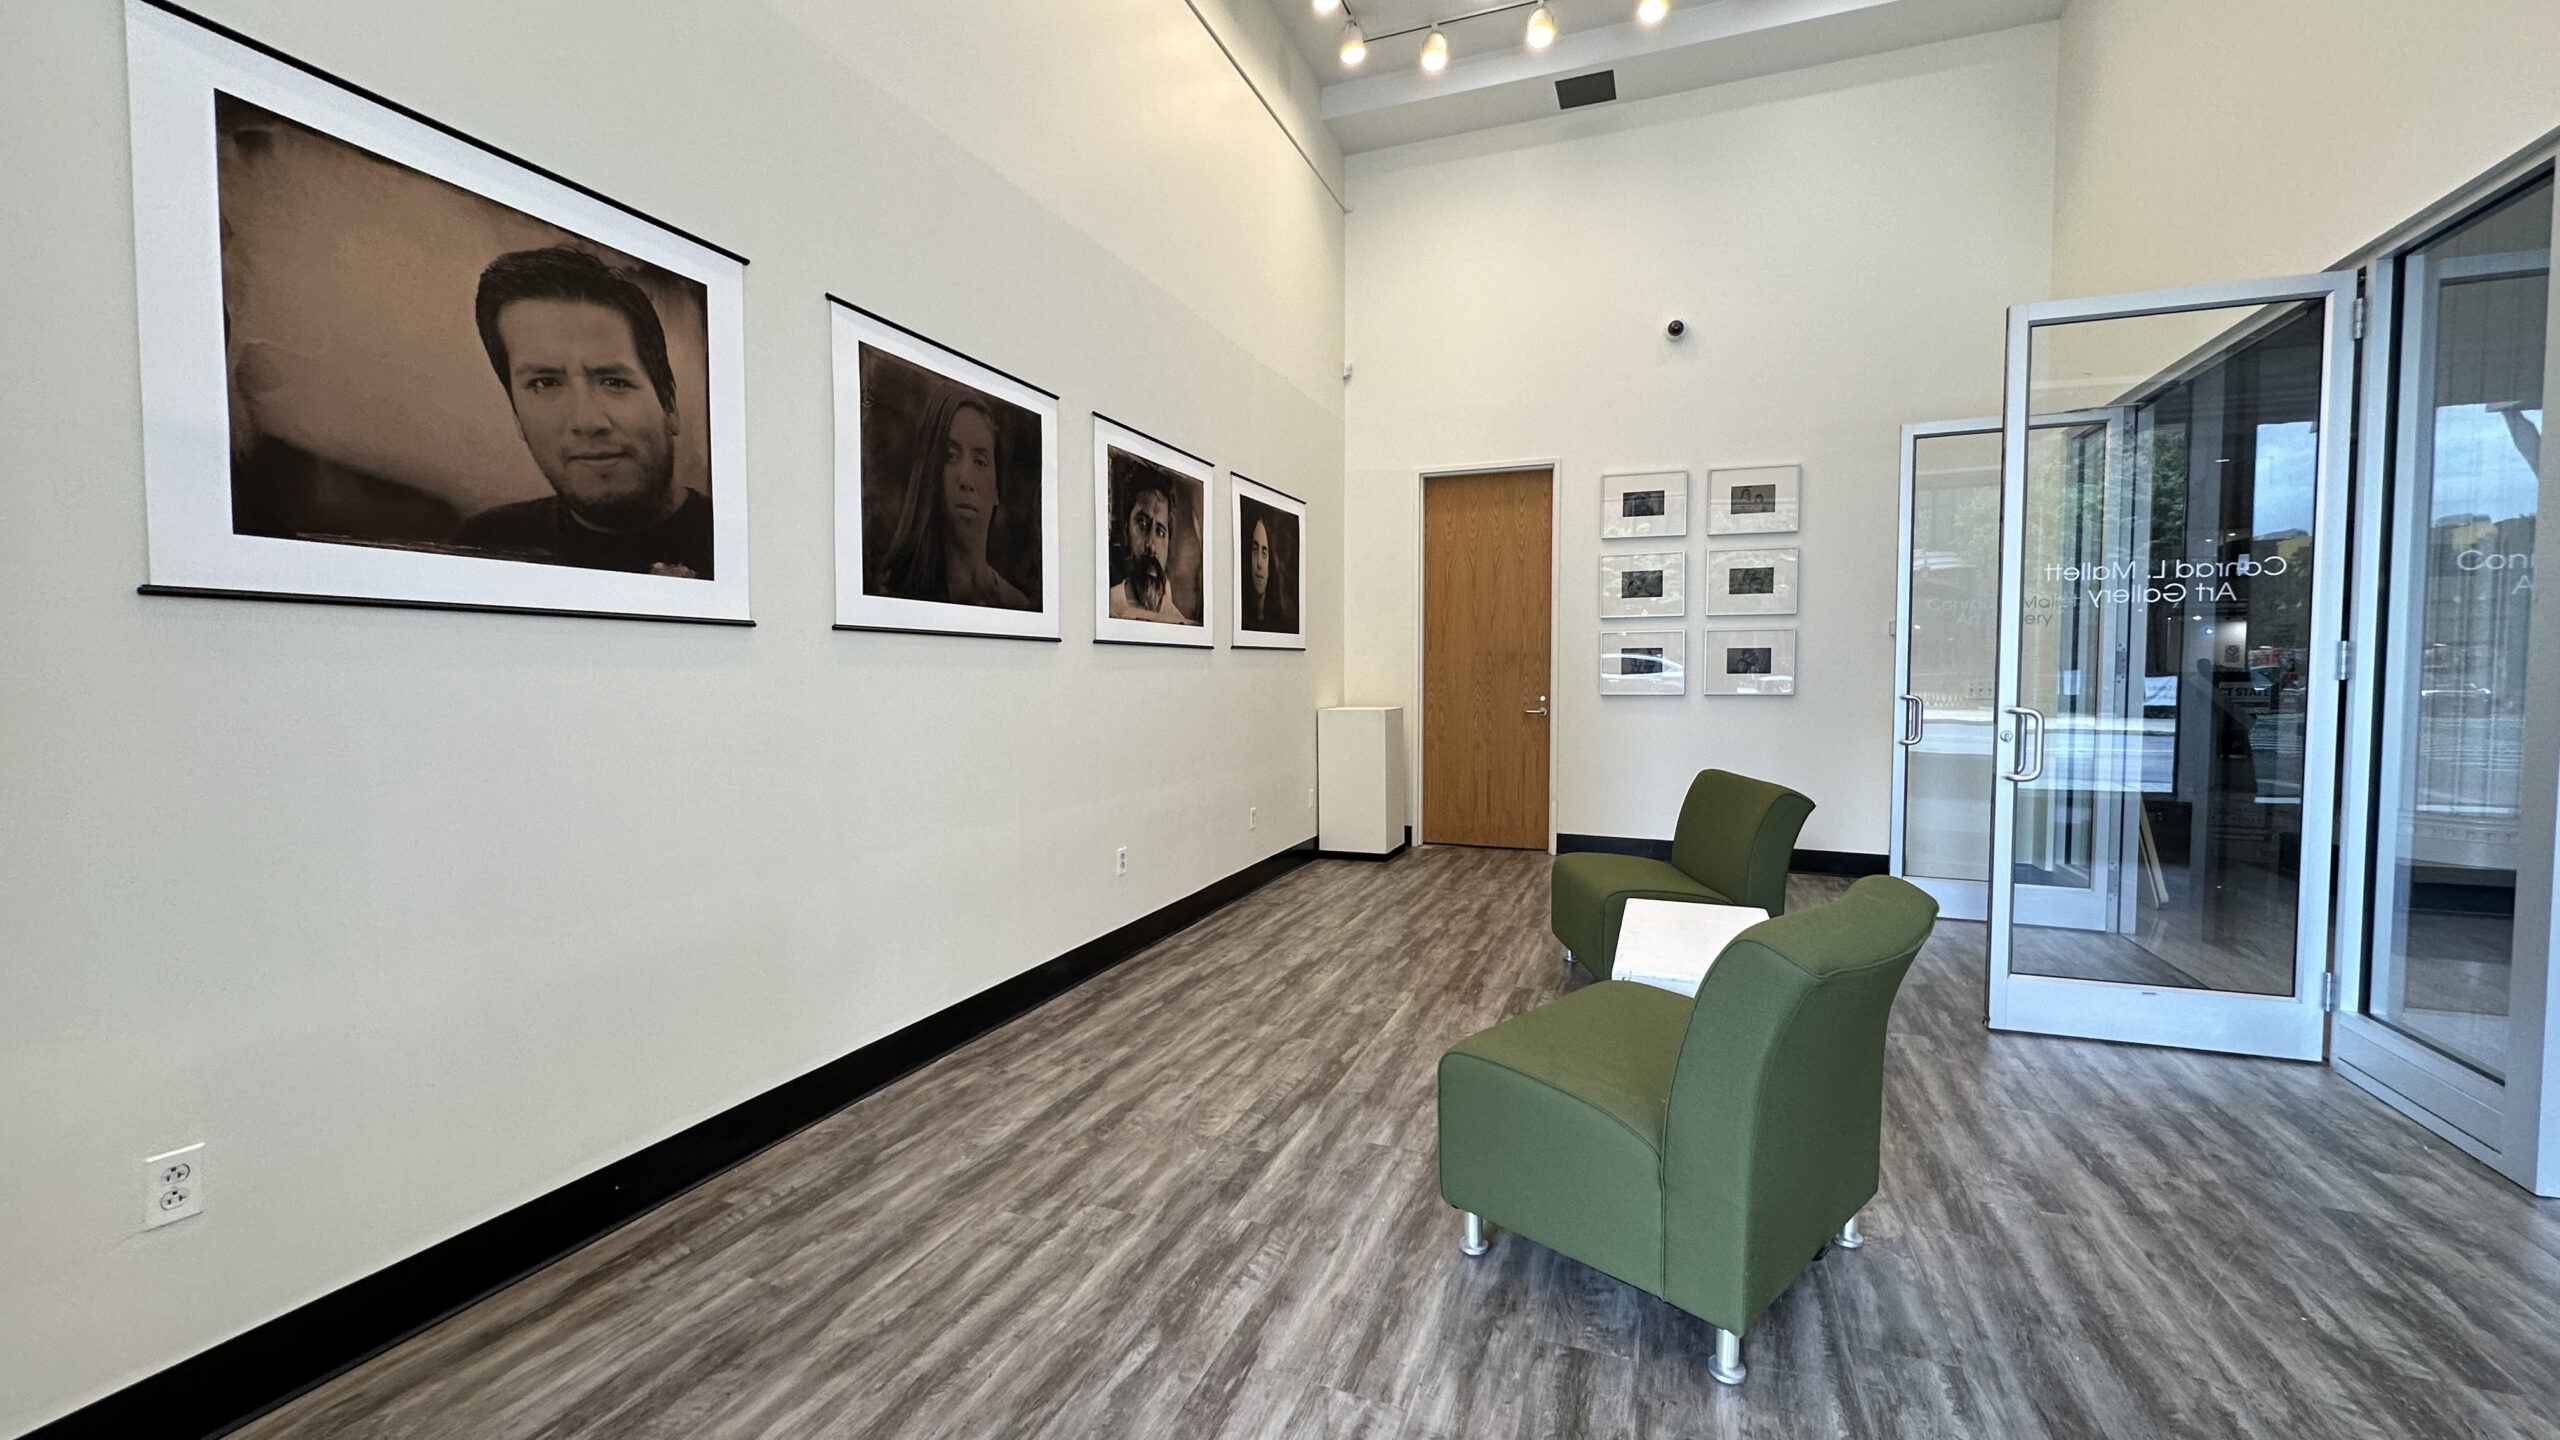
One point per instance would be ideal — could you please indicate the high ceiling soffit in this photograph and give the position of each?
(1493, 79)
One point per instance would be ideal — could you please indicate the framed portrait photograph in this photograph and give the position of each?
(1271, 577)
(1748, 662)
(1760, 500)
(1653, 503)
(1644, 662)
(1637, 586)
(946, 488)
(383, 364)
(1751, 582)
(1152, 562)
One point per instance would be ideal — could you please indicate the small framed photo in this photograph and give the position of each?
(1653, 503)
(1644, 662)
(1761, 500)
(384, 364)
(946, 488)
(1751, 582)
(1641, 586)
(1153, 564)
(1749, 662)
(1271, 577)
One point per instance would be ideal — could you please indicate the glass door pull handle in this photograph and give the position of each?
(1915, 719)
(2030, 725)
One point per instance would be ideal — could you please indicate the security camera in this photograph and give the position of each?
(1676, 329)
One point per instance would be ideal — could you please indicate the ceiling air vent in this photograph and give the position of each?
(1575, 91)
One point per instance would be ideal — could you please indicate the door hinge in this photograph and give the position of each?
(2346, 660)
(2329, 992)
(2359, 317)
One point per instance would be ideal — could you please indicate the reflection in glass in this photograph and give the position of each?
(2465, 484)
(1954, 654)
(2165, 636)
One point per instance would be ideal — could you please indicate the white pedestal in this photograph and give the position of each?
(1360, 780)
(1670, 944)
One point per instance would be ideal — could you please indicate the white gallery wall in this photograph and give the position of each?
(2204, 140)
(1842, 242)
(413, 916)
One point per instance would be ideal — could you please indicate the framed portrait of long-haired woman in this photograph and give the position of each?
(1154, 565)
(946, 488)
(1271, 580)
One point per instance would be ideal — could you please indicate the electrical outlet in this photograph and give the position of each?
(173, 1186)
(1253, 817)
(1123, 861)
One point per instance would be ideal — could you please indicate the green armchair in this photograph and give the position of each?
(1701, 1152)
(1732, 845)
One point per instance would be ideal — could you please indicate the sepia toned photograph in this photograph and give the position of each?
(946, 488)
(1749, 662)
(1154, 558)
(1653, 502)
(1758, 500)
(1638, 586)
(443, 377)
(1270, 580)
(1644, 662)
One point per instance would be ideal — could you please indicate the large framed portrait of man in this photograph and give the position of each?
(946, 488)
(1271, 578)
(1153, 565)
(384, 364)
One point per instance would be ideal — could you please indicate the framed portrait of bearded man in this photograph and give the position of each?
(385, 364)
(1154, 565)
(946, 488)
(1271, 584)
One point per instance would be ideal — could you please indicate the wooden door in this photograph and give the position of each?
(1486, 627)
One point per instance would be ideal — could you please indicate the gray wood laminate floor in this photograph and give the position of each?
(1195, 1199)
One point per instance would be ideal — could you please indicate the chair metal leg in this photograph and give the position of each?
(1727, 1366)
(1849, 1238)
(1474, 1244)
(1568, 959)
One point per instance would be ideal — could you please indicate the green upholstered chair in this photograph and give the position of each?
(1732, 845)
(1706, 1151)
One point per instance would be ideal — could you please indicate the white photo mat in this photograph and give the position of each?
(1644, 504)
(1644, 662)
(1108, 435)
(858, 610)
(1752, 582)
(1748, 662)
(174, 69)
(1635, 587)
(1289, 570)
(1757, 500)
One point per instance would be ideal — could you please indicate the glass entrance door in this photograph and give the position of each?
(1946, 658)
(2173, 473)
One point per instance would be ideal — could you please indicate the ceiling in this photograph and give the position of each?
(1493, 79)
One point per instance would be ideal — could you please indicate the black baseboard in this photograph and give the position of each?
(1365, 855)
(252, 1373)
(1808, 862)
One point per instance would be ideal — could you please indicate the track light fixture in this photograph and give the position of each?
(1650, 12)
(1539, 34)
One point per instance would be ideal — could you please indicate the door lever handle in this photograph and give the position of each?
(1539, 709)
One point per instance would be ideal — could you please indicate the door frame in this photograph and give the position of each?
(2291, 1026)
(2509, 1126)
(1421, 635)
(1957, 899)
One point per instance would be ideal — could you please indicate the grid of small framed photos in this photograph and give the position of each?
(1745, 581)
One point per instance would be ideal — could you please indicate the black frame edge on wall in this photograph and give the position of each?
(234, 1382)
